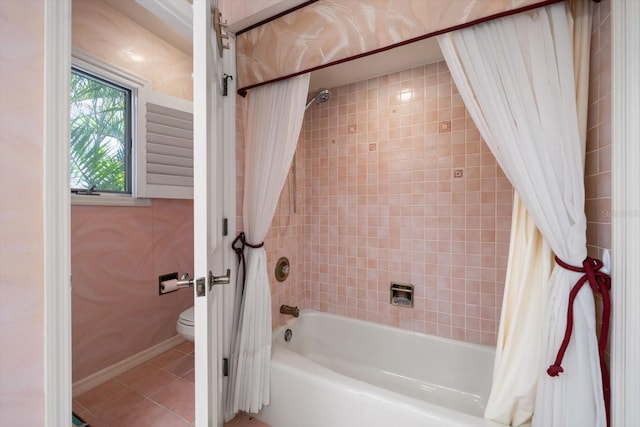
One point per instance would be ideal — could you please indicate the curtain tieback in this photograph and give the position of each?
(238, 245)
(599, 282)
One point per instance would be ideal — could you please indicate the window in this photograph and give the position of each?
(106, 130)
(128, 143)
(101, 135)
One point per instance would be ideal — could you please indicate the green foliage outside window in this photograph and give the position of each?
(99, 135)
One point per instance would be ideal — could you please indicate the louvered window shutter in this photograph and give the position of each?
(165, 154)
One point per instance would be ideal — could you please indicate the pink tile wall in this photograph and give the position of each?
(598, 158)
(286, 238)
(21, 213)
(383, 204)
(119, 252)
(241, 110)
(380, 201)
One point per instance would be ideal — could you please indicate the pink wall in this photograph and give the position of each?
(382, 205)
(287, 238)
(598, 160)
(119, 252)
(21, 215)
(377, 202)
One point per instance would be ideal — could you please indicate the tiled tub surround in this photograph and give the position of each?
(378, 202)
(393, 211)
(598, 158)
(384, 203)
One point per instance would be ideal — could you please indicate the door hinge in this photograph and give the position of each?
(225, 367)
(225, 227)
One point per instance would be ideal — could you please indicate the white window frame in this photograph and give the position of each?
(139, 89)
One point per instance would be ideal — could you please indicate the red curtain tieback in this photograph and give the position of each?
(600, 283)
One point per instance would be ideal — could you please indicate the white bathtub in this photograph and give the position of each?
(341, 372)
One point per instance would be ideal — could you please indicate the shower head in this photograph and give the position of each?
(321, 97)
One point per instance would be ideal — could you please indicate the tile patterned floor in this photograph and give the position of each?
(158, 393)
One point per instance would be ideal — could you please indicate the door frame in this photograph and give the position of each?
(57, 214)
(223, 159)
(57, 210)
(226, 302)
(625, 215)
(207, 236)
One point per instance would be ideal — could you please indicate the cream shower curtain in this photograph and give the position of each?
(516, 78)
(530, 261)
(273, 123)
(515, 372)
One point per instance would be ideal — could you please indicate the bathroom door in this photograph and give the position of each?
(210, 243)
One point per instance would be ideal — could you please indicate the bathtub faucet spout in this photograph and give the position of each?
(287, 309)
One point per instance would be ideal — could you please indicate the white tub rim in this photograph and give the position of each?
(307, 368)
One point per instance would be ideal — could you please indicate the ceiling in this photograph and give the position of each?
(141, 15)
(386, 62)
(397, 59)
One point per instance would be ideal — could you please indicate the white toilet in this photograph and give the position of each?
(184, 326)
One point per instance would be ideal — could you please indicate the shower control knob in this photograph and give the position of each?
(283, 268)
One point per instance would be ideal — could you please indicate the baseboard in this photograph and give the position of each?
(110, 372)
